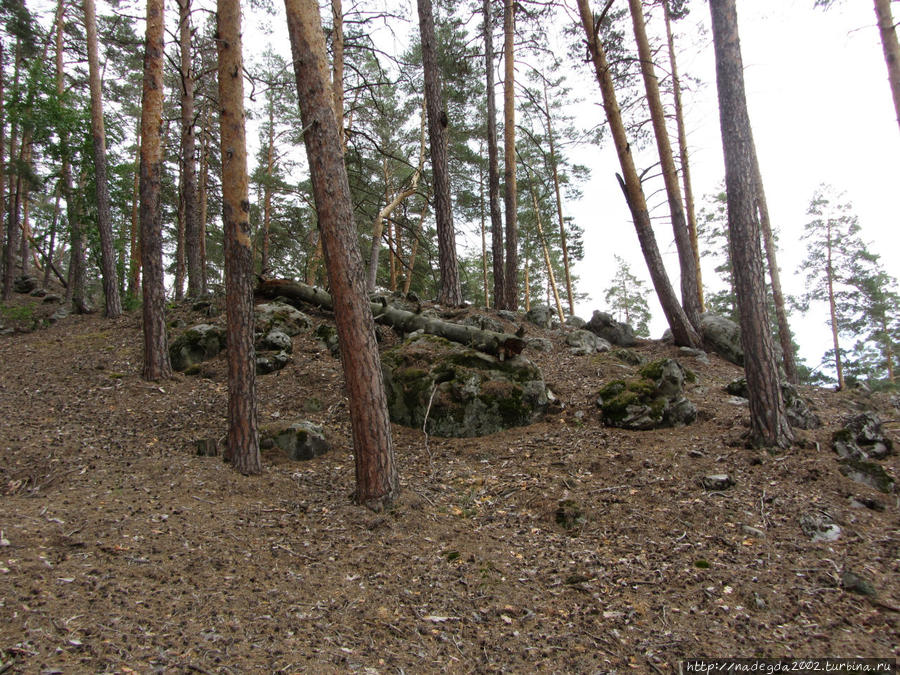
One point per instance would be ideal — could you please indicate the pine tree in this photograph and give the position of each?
(627, 298)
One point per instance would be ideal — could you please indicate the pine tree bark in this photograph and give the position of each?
(156, 352)
(6, 292)
(202, 198)
(511, 274)
(832, 307)
(134, 266)
(690, 294)
(768, 422)
(188, 152)
(376, 472)
(450, 292)
(179, 237)
(683, 331)
(267, 192)
(497, 251)
(242, 444)
(98, 136)
(683, 154)
(12, 225)
(784, 329)
(337, 67)
(891, 48)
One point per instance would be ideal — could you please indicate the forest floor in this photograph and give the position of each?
(565, 546)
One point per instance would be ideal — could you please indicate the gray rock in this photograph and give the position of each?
(575, 322)
(797, 409)
(651, 400)
(612, 331)
(299, 440)
(483, 322)
(281, 316)
(506, 315)
(327, 336)
(819, 527)
(197, 344)
(38, 293)
(698, 354)
(59, 314)
(631, 357)
(462, 392)
(540, 315)
(717, 481)
(723, 336)
(275, 341)
(25, 285)
(856, 584)
(753, 532)
(867, 473)
(584, 343)
(52, 297)
(863, 438)
(539, 344)
(271, 362)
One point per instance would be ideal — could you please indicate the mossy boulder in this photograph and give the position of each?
(723, 336)
(462, 392)
(614, 332)
(857, 444)
(197, 344)
(653, 399)
(281, 316)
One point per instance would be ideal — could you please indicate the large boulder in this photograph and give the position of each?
(25, 284)
(197, 344)
(799, 414)
(723, 336)
(612, 331)
(653, 399)
(299, 440)
(462, 392)
(540, 315)
(857, 444)
(585, 343)
(281, 316)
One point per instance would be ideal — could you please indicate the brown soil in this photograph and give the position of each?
(563, 547)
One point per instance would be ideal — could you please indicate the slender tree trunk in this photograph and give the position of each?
(559, 209)
(414, 250)
(54, 224)
(497, 252)
(484, 264)
(156, 353)
(24, 251)
(242, 446)
(768, 422)
(202, 197)
(12, 225)
(832, 308)
(784, 329)
(683, 331)
(98, 134)
(527, 285)
(888, 348)
(450, 291)
(337, 66)
(179, 237)
(188, 151)
(134, 266)
(550, 276)
(376, 472)
(267, 192)
(6, 292)
(391, 204)
(683, 154)
(891, 48)
(690, 295)
(511, 274)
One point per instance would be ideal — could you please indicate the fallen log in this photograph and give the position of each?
(500, 345)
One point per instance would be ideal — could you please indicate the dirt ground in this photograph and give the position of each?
(564, 547)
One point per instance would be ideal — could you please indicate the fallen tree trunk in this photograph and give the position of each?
(500, 345)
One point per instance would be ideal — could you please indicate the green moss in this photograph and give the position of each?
(690, 376)
(612, 389)
(843, 436)
(627, 356)
(653, 370)
(21, 313)
(701, 564)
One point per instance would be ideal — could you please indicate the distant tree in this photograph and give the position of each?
(511, 272)
(157, 365)
(497, 250)
(376, 471)
(832, 244)
(627, 298)
(768, 422)
(188, 151)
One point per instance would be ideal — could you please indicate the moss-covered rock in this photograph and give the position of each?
(462, 392)
(281, 316)
(653, 399)
(798, 411)
(197, 344)
(300, 440)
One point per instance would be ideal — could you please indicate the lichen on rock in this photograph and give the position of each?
(653, 399)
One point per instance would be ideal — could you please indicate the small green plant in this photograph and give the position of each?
(22, 313)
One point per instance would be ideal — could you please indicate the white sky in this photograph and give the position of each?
(821, 111)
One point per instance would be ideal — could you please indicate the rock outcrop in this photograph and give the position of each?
(614, 332)
(653, 399)
(462, 392)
